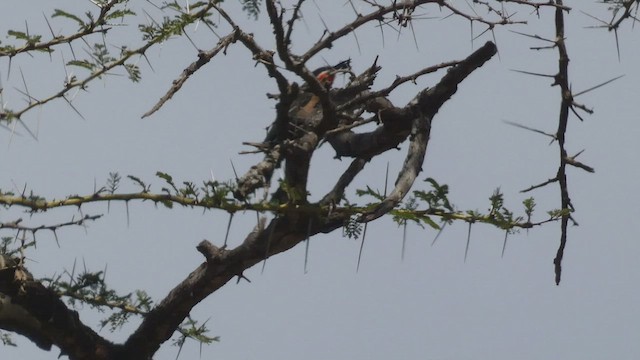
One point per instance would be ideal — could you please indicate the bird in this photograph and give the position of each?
(303, 109)
(325, 75)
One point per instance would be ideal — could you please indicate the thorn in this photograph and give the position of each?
(386, 180)
(266, 253)
(357, 41)
(537, 37)
(404, 240)
(306, 248)
(444, 224)
(615, 32)
(504, 245)
(126, 204)
(226, 236)
(241, 276)
(234, 170)
(466, 249)
(597, 86)
(529, 128)
(364, 235)
(533, 73)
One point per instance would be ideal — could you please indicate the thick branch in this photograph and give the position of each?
(221, 266)
(410, 170)
(30, 309)
(397, 122)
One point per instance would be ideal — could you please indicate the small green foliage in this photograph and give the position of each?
(133, 71)
(8, 193)
(410, 215)
(473, 216)
(352, 228)
(143, 301)
(5, 242)
(559, 213)
(90, 288)
(145, 187)
(85, 64)
(294, 195)
(116, 320)
(34, 198)
(497, 202)
(166, 177)
(7, 49)
(175, 26)
(216, 192)
(119, 14)
(252, 7)
(436, 201)
(100, 58)
(190, 329)
(529, 206)
(113, 182)
(101, 54)
(127, 307)
(64, 14)
(498, 214)
(436, 198)
(29, 39)
(369, 191)
(189, 190)
(10, 246)
(171, 5)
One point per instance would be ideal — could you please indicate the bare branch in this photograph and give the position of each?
(203, 58)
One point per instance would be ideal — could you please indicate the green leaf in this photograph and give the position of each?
(427, 220)
(252, 7)
(166, 177)
(133, 71)
(113, 182)
(529, 206)
(139, 182)
(119, 14)
(83, 64)
(18, 35)
(61, 13)
(352, 228)
(370, 192)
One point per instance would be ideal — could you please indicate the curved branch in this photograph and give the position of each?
(410, 169)
(334, 196)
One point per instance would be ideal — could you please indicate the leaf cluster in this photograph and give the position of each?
(423, 205)
(190, 329)
(89, 287)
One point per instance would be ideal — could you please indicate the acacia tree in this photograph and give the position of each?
(358, 120)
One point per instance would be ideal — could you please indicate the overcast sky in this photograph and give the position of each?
(431, 305)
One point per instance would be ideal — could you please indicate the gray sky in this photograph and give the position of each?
(432, 305)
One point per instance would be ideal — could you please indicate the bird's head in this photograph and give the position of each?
(327, 74)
